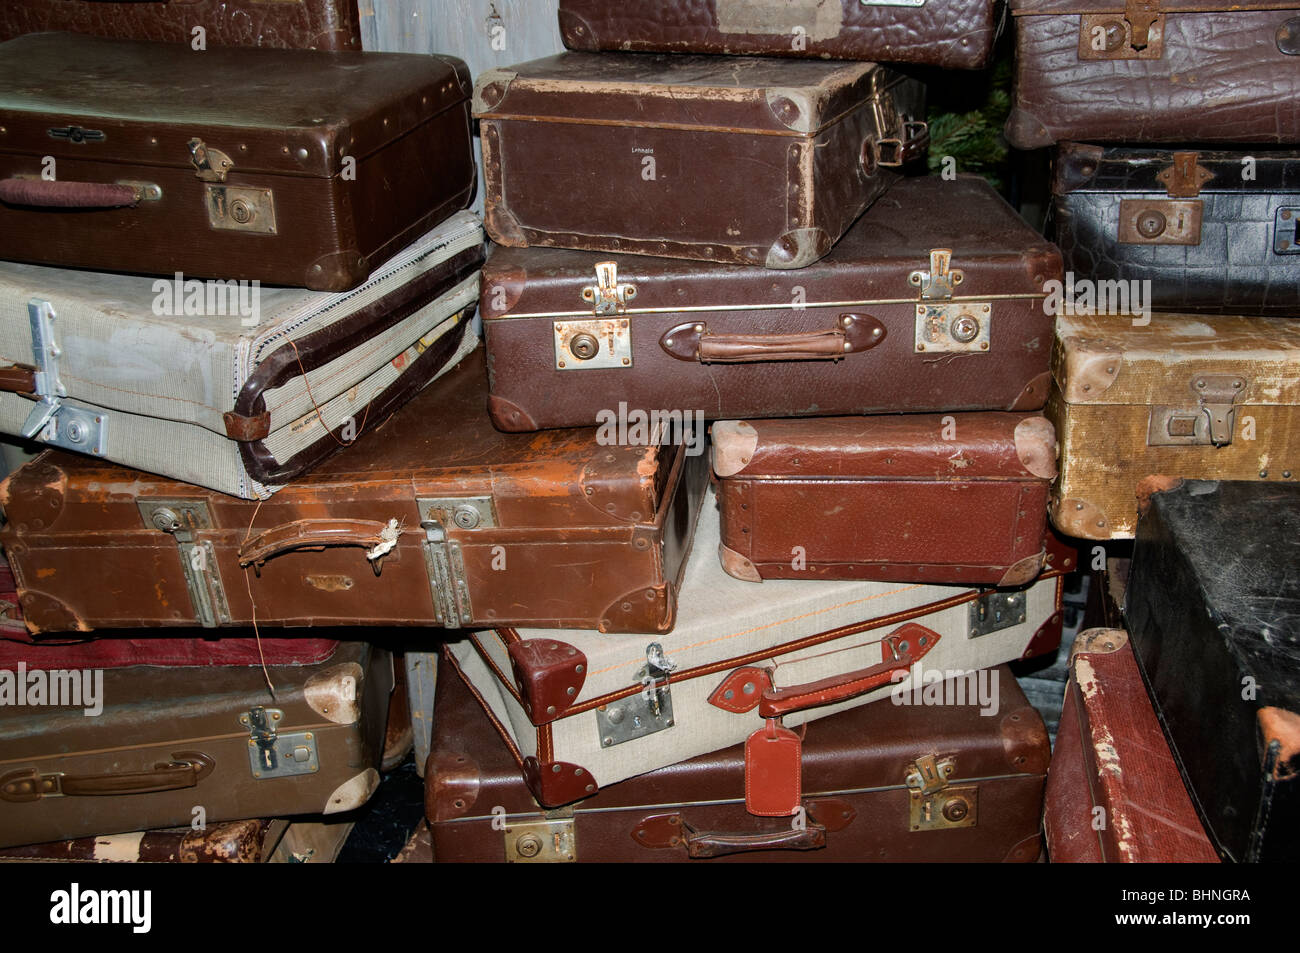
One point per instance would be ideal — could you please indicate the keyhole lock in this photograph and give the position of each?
(964, 328)
(1151, 223)
(956, 810)
(584, 346)
(466, 517)
(166, 519)
(241, 211)
(75, 432)
(530, 845)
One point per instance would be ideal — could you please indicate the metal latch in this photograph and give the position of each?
(443, 557)
(934, 805)
(1286, 230)
(180, 519)
(995, 611)
(645, 713)
(211, 165)
(1183, 179)
(1212, 423)
(607, 294)
(1136, 34)
(593, 343)
(1171, 221)
(275, 754)
(51, 421)
(231, 208)
(548, 841)
(939, 281)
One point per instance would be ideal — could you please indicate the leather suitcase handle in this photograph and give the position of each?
(672, 831)
(309, 534)
(18, 379)
(852, 333)
(892, 152)
(185, 771)
(38, 193)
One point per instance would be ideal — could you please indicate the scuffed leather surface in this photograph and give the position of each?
(954, 34)
(1233, 270)
(306, 24)
(1221, 79)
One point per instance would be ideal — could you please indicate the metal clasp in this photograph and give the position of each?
(211, 165)
(1212, 423)
(51, 421)
(940, 280)
(180, 519)
(276, 754)
(607, 294)
(934, 805)
(442, 554)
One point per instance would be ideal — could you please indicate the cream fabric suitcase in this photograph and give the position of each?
(1206, 397)
(593, 697)
(113, 365)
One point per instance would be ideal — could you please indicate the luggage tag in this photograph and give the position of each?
(773, 753)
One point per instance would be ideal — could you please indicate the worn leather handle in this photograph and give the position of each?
(18, 379)
(185, 770)
(39, 193)
(852, 333)
(670, 830)
(309, 534)
(894, 151)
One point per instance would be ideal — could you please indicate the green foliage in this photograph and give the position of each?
(967, 113)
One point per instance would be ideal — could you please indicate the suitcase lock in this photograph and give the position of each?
(645, 713)
(944, 326)
(52, 421)
(275, 754)
(230, 207)
(933, 804)
(1210, 424)
(1136, 34)
(180, 519)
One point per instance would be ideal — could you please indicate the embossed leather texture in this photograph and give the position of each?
(953, 34)
(1246, 254)
(273, 24)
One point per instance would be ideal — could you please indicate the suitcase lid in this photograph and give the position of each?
(725, 94)
(998, 254)
(1066, 7)
(286, 112)
(1110, 360)
(961, 447)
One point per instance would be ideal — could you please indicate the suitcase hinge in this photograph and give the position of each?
(1136, 34)
(442, 554)
(995, 611)
(646, 712)
(275, 754)
(934, 804)
(51, 421)
(1212, 423)
(607, 294)
(180, 519)
(548, 841)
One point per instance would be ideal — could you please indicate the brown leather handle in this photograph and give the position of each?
(185, 770)
(39, 193)
(309, 534)
(670, 830)
(894, 151)
(852, 333)
(18, 379)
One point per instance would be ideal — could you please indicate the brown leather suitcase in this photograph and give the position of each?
(744, 160)
(882, 782)
(431, 518)
(1156, 71)
(273, 24)
(234, 842)
(952, 34)
(959, 498)
(934, 301)
(1114, 793)
(282, 166)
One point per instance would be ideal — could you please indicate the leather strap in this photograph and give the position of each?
(18, 379)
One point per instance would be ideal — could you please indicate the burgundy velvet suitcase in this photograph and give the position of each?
(958, 498)
(271, 24)
(883, 782)
(933, 302)
(952, 34)
(1114, 793)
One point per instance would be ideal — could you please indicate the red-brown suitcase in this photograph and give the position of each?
(933, 302)
(272, 24)
(959, 498)
(882, 782)
(431, 518)
(233, 842)
(1114, 793)
(952, 34)
(745, 160)
(287, 167)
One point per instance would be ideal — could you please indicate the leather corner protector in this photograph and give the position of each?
(734, 443)
(1091, 373)
(736, 565)
(500, 289)
(609, 472)
(1023, 570)
(451, 785)
(352, 793)
(1034, 394)
(509, 417)
(1099, 641)
(550, 675)
(335, 694)
(741, 690)
(337, 271)
(39, 489)
(1025, 742)
(557, 783)
(798, 248)
(1036, 446)
(247, 429)
(1148, 486)
(1047, 638)
(1076, 165)
(490, 90)
(44, 613)
(650, 609)
(1060, 556)
(1281, 727)
(1024, 131)
(1080, 518)
(1025, 852)
(576, 32)
(791, 108)
(503, 227)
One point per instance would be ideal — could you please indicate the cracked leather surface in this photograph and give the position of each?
(304, 24)
(1234, 269)
(954, 34)
(1221, 79)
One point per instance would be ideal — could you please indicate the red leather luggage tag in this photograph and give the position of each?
(773, 774)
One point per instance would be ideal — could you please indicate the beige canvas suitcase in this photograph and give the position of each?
(1202, 397)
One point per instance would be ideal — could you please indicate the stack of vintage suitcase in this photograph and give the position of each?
(728, 528)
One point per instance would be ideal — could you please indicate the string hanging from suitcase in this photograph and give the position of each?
(253, 605)
(315, 406)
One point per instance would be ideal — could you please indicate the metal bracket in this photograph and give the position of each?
(645, 713)
(1210, 424)
(934, 806)
(1160, 222)
(607, 294)
(1183, 179)
(1136, 34)
(589, 344)
(238, 209)
(995, 611)
(549, 841)
(211, 165)
(442, 554)
(51, 421)
(1286, 231)
(939, 281)
(180, 519)
(274, 754)
(953, 328)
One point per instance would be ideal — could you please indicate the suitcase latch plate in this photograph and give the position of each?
(940, 280)
(52, 421)
(236, 209)
(1286, 230)
(588, 345)
(1210, 424)
(995, 611)
(210, 165)
(648, 711)
(277, 754)
(608, 295)
(1136, 34)
(961, 328)
(934, 805)
(1160, 221)
(549, 841)
(443, 557)
(180, 519)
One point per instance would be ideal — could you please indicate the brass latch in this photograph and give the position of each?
(939, 281)
(549, 840)
(1211, 423)
(211, 165)
(934, 804)
(1141, 16)
(1136, 34)
(1183, 179)
(607, 294)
